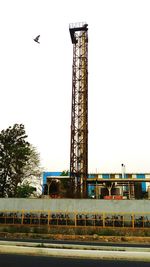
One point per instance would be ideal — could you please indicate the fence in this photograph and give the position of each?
(74, 219)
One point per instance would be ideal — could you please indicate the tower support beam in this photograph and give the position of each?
(79, 110)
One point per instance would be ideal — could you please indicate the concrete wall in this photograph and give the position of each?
(75, 205)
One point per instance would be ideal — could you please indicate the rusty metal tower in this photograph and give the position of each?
(79, 112)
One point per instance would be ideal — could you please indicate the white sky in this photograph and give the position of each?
(36, 80)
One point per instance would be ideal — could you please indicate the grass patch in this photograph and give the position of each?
(73, 231)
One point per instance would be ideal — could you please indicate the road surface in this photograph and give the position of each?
(34, 261)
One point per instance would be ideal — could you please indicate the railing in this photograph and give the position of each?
(77, 25)
(75, 219)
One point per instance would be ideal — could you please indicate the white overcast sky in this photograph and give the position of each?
(36, 80)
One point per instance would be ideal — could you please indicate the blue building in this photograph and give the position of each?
(138, 188)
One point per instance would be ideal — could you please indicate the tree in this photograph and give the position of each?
(18, 159)
(64, 173)
(24, 191)
(32, 170)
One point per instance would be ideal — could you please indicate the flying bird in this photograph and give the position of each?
(37, 39)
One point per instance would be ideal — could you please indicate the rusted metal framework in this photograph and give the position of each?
(79, 112)
(59, 218)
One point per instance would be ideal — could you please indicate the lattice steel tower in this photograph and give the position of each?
(79, 112)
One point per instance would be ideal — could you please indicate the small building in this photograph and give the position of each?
(104, 185)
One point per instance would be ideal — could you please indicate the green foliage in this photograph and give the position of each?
(32, 168)
(65, 173)
(18, 159)
(24, 191)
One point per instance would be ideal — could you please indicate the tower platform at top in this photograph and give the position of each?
(75, 27)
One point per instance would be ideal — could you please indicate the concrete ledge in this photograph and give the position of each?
(77, 253)
(142, 256)
(73, 246)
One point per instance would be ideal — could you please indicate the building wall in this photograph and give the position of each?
(46, 174)
(104, 176)
(75, 205)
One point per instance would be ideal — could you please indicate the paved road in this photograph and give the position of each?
(34, 261)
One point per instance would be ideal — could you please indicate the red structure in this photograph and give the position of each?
(79, 112)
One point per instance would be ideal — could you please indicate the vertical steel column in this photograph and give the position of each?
(79, 112)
